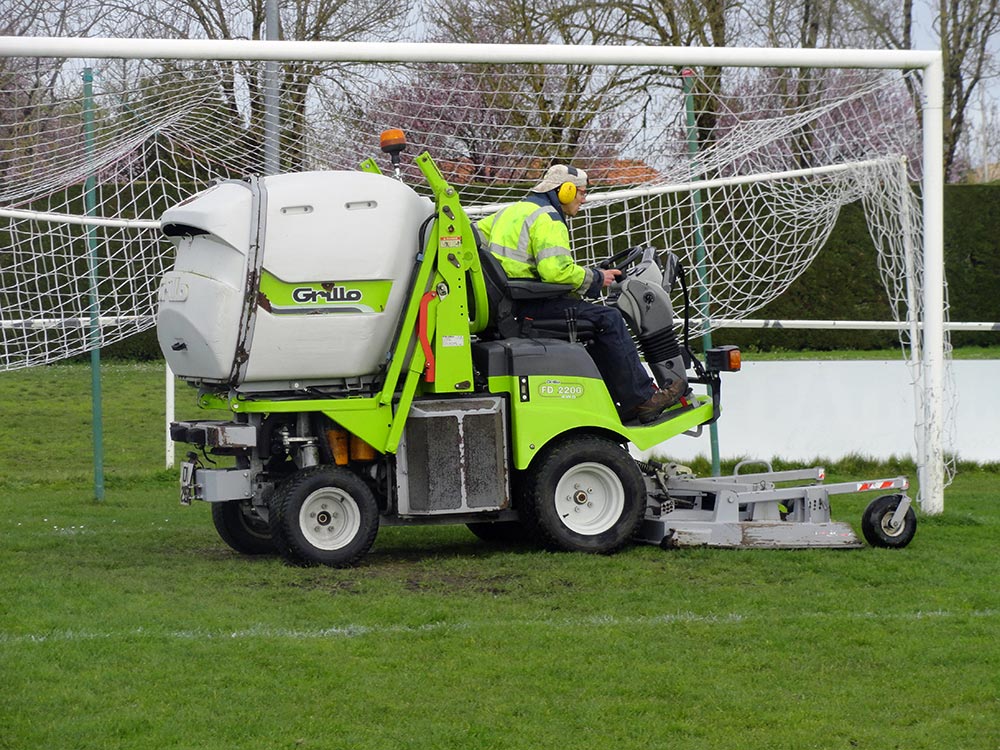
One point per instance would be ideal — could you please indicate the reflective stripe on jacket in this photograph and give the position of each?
(532, 242)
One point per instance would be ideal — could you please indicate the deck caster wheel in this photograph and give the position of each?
(324, 515)
(242, 529)
(586, 495)
(876, 523)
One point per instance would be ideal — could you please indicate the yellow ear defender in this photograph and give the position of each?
(567, 192)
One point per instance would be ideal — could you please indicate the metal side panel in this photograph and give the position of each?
(453, 457)
(213, 485)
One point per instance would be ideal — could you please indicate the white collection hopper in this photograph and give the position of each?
(297, 278)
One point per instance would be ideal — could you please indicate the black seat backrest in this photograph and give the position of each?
(502, 322)
(502, 293)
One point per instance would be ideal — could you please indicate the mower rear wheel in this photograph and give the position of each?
(876, 523)
(241, 528)
(586, 495)
(324, 515)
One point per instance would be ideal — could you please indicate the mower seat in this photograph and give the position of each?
(503, 293)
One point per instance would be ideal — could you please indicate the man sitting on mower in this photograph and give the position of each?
(531, 241)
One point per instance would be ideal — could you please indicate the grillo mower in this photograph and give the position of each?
(369, 353)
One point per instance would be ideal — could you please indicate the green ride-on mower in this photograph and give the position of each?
(368, 351)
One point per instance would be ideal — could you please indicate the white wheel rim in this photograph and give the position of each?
(329, 518)
(589, 498)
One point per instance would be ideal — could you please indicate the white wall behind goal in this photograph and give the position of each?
(828, 410)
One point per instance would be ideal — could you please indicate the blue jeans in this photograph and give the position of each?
(612, 349)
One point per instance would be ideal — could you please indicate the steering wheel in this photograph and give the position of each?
(623, 259)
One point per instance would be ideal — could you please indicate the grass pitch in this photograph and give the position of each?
(129, 624)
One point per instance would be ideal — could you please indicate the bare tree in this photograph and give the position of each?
(704, 23)
(301, 20)
(965, 28)
(557, 107)
(29, 97)
(980, 143)
(50, 17)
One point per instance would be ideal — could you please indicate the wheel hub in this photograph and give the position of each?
(890, 528)
(590, 498)
(329, 518)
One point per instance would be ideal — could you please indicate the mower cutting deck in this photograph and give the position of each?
(753, 511)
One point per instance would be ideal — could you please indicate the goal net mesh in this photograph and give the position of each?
(740, 172)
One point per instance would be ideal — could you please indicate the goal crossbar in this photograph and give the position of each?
(416, 52)
(77, 220)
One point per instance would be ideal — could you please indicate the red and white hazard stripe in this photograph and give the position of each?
(879, 484)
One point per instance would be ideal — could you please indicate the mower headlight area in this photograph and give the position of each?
(723, 359)
(214, 434)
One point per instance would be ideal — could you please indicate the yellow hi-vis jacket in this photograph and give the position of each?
(531, 241)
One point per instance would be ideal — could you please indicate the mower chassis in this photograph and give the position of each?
(749, 511)
(462, 445)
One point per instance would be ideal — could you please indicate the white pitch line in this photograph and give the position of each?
(345, 632)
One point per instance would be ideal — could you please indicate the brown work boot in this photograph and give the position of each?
(662, 399)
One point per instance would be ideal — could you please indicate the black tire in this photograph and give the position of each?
(585, 495)
(503, 533)
(324, 515)
(242, 529)
(875, 523)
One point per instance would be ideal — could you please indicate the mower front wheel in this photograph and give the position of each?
(586, 495)
(324, 515)
(876, 523)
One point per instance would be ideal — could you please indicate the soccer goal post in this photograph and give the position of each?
(738, 160)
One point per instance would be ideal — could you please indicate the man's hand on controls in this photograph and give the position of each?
(610, 274)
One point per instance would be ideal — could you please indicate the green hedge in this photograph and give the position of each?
(142, 347)
(844, 284)
(972, 257)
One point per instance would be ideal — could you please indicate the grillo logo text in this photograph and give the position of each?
(305, 295)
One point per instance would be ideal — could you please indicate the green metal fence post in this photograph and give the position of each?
(90, 207)
(687, 76)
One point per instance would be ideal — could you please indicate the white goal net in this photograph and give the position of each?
(740, 171)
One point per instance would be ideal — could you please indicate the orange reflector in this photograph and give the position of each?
(735, 360)
(392, 140)
(723, 359)
(339, 445)
(360, 450)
